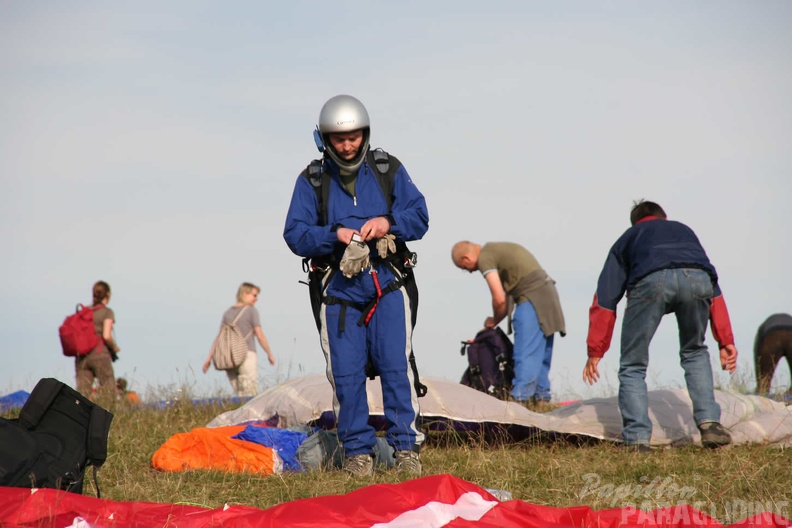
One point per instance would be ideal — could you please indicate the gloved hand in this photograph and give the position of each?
(355, 259)
(385, 244)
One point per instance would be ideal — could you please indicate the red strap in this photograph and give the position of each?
(379, 296)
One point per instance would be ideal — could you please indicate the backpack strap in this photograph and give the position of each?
(385, 171)
(237, 318)
(420, 388)
(239, 314)
(80, 307)
(384, 167)
(473, 354)
(96, 443)
(319, 178)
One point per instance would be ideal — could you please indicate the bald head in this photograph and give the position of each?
(464, 254)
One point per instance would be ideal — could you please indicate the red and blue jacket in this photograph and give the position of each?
(650, 245)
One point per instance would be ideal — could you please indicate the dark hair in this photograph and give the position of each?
(641, 209)
(100, 290)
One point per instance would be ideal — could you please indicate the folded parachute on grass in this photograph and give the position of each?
(216, 449)
(308, 400)
(430, 502)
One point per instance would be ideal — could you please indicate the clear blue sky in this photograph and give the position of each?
(155, 146)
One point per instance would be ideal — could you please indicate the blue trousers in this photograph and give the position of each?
(387, 339)
(533, 352)
(686, 293)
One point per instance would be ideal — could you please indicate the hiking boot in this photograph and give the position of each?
(540, 405)
(714, 435)
(359, 465)
(408, 462)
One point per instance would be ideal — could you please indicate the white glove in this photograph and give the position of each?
(385, 244)
(355, 259)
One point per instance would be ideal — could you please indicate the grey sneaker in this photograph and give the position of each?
(714, 435)
(359, 465)
(408, 462)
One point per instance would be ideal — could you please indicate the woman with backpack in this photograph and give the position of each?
(98, 364)
(244, 316)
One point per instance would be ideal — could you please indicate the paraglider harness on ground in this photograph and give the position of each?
(320, 270)
(491, 363)
(59, 433)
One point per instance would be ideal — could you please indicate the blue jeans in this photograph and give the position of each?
(533, 352)
(686, 292)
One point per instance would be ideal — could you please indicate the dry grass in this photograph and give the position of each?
(539, 470)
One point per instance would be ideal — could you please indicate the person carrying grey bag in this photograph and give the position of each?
(244, 378)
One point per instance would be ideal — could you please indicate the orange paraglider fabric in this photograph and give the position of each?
(213, 448)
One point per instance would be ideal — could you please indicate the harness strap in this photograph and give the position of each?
(366, 310)
(329, 299)
(96, 483)
(370, 313)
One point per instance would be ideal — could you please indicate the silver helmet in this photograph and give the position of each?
(344, 113)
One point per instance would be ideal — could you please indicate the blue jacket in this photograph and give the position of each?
(650, 245)
(307, 237)
(646, 247)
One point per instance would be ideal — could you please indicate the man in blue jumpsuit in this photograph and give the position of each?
(365, 311)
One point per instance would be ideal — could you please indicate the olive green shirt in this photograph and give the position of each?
(348, 180)
(523, 279)
(511, 261)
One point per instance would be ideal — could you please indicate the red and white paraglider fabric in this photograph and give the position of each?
(429, 502)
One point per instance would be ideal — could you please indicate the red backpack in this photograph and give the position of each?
(78, 334)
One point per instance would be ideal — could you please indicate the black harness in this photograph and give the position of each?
(366, 309)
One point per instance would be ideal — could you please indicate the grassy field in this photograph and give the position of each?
(729, 484)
